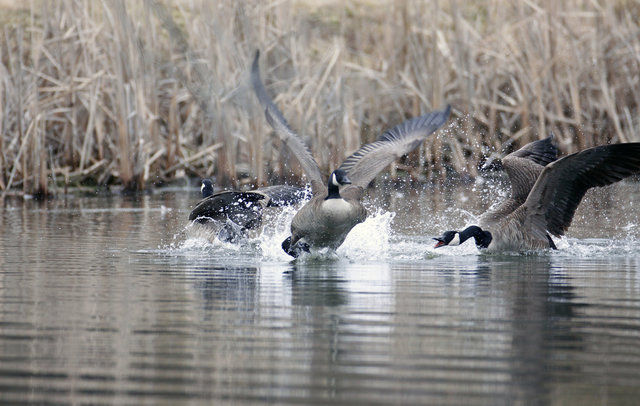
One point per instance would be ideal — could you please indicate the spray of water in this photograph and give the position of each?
(369, 240)
(390, 236)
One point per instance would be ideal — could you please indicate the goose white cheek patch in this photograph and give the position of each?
(456, 240)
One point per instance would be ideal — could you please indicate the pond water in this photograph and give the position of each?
(120, 300)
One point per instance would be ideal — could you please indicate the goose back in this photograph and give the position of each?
(240, 207)
(245, 208)
(509, 233)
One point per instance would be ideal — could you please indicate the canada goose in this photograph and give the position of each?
(335, 208)
(238, 211)
(544, 198)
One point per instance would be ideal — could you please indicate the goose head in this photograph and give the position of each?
(338, 178)
(453, 238)
(448, 238)
(206, 188)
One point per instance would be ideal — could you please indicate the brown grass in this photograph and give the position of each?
(141, 93)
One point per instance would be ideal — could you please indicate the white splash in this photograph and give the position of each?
(366, 241)
(376, 240)
(369, 240)
(275, 229)
(196, 239)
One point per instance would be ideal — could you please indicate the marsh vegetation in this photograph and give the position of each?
(138, 94)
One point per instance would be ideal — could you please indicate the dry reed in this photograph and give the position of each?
(142, 93)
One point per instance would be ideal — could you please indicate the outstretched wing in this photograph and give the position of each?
(277, 121)
(563, 183)
(364, 165)
(542, 152)
(525, 165)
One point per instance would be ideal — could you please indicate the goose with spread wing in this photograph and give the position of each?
(236, 212)
(336, 207)
(545, 194)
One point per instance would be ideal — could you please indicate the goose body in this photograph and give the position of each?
(336, 207)
(326, 223)
(545, 194)
(236, 212)
(510, 234)
(327, 218)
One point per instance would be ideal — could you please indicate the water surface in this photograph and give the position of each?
(120, 300)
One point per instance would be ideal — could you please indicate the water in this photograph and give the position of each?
(116, 300)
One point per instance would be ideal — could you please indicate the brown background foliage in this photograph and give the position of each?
(143, 93)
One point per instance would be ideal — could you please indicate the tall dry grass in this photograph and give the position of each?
(141, 93)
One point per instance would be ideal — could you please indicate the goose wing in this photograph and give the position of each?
(363, 165)
(525, 165)
(523, 174)
(283, 195)
(277, 121)
(236, 203)
(563, 183)
(542, 152)
(221, 205)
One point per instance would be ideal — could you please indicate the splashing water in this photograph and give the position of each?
(200, 241)
(367, 241)
(370, 239)
(406, 235)
(275, 230)
(597, 248)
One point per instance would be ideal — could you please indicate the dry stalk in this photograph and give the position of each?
(137, 93)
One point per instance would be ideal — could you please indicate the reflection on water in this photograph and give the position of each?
(114, 300)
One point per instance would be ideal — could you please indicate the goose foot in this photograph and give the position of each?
(296, 249)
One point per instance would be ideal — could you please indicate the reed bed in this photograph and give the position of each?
(138, 94)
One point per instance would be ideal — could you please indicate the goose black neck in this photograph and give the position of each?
(483, 238)
(334, 192)
(207, 189)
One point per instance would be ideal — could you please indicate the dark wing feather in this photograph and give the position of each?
(237, 205)
(277, 121)
(542, 152)
(563, 183)
(364, 165)
(283, 195)
(221, 205)
(523, 167)
(523, 174)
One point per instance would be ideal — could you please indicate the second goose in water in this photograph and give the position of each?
(335, 208)
(235, 212)
(545, 194)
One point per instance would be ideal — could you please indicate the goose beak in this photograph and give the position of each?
(345, 180)
(492, 163)
(440, 242)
